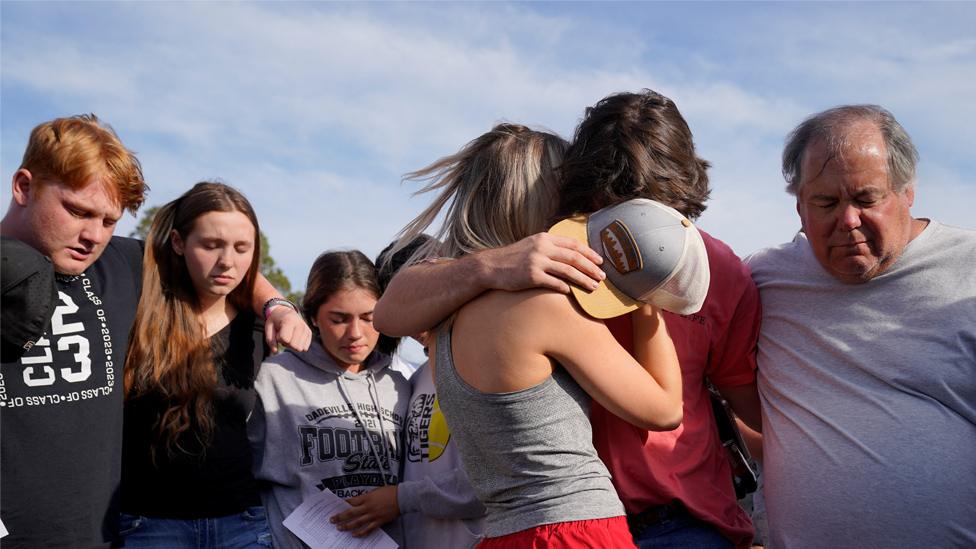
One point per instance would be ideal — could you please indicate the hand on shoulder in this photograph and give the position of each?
(286, 326)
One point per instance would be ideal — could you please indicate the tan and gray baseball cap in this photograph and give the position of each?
(651, 254)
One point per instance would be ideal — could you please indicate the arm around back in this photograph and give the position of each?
(420, 297)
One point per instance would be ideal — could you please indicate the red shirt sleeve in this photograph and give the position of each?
(737, 317)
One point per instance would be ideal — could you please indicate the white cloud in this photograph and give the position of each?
(315, 110)
(943, 195)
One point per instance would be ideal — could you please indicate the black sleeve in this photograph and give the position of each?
(132, 250)
(261, 349)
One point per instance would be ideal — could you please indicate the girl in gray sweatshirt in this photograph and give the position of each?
(332, 417)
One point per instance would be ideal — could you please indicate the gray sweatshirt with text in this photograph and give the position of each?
(316, 426)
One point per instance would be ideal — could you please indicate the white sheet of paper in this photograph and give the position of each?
(3, 529)
(310, 522)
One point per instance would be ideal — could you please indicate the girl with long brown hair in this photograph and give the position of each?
(189, 379)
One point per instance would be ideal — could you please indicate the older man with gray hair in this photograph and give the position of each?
(867, 352)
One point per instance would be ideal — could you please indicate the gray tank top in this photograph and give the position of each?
(529, 454)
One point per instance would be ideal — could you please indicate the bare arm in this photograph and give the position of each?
(284, 325)
(753, 440)
(645, 392)
(745, 403)
(421, 296)
(655, 352)
(428, 293)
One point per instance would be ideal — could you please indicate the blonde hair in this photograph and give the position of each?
(498, 189)
(76, 150)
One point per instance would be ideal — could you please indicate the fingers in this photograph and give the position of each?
(355, 517)
(357, 521)
(576, 246)
(346, 516)
(365, 530)
(542, 260)
(570, 260)
(269, 337)
(574, 275)
(580, 260)
(296, 334)
(285, 326)
(550, 282)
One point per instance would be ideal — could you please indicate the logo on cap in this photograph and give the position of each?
(619, 247)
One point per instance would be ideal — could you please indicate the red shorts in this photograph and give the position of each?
(608, 533)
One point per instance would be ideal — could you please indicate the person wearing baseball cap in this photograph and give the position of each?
(515, 371)
(652, 255)
(675, 486)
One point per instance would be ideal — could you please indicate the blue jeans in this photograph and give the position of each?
(241, 531)
(681, 532)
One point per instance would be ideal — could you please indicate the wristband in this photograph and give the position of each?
(274, 302)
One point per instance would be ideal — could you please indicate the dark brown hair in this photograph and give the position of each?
(388, 263)
(633, 145)
(169, 352)
(335, 271)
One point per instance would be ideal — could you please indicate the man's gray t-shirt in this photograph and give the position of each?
(869, 397)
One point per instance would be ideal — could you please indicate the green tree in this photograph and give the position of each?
(145, 222)
(275, 275)
(268, 267)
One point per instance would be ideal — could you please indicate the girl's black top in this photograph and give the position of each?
(194, 481)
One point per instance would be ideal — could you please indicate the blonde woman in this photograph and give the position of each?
(515, 370)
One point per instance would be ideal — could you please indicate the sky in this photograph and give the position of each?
(316, 110)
